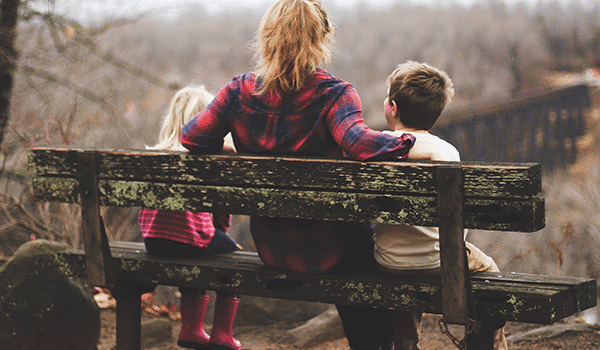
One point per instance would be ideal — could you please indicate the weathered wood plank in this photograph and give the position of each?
(537, 302)
(512, 297)
(498, 214)
(94, 235)
(496, 180)
(585, 291)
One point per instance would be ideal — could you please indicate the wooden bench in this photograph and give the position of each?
(453, 196)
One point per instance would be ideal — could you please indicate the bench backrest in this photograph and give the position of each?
(502, 197)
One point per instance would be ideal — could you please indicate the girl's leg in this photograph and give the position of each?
(167, 247)
(221, 243)
(194, 303)
(221, 336)
(193, 309)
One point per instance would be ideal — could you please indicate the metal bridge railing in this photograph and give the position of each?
(540, 126)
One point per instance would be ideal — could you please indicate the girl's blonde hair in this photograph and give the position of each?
(186, 103)
(293, 38)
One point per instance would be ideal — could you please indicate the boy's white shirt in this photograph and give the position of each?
(228, 145)
(428, 146)
(403, 247)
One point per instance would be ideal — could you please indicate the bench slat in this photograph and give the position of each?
(585, 291)
(481, 179)
(243, 272)
(479, 213)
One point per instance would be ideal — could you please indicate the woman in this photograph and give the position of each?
(292, 107)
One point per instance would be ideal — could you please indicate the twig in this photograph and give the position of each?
(121, 225)
(90, 95)
(49, 19)
(83, 37)
(32, 223)
(128, 67)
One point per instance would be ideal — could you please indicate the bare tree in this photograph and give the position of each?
(8, 57)
(65, 84)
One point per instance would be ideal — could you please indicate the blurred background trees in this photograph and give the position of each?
(119, 73)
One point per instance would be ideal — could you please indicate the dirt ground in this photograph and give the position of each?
(567, 335)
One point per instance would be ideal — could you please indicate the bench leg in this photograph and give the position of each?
(483, 336)
(129, 315)
(456, 283)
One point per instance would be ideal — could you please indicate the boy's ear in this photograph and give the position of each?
(394, 108)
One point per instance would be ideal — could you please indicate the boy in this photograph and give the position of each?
(417, 95)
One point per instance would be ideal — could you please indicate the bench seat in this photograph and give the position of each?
(511, 297)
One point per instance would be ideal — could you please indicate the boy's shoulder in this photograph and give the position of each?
(429, 146)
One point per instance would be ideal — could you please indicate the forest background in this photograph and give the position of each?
(107, 83)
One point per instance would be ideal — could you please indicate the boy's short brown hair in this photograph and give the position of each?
(421, 93)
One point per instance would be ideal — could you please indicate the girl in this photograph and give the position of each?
(193, 235)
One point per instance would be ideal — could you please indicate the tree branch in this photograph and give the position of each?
(128, 67)
(83, 37)
(8, 28)
(90, 95)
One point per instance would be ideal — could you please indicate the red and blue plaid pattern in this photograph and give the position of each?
(322, 119)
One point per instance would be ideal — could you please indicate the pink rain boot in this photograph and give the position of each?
(221, 336)
(192, 334)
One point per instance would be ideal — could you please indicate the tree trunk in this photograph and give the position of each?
(8, 59)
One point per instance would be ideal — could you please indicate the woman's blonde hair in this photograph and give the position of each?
(293, 38)
(186, 103)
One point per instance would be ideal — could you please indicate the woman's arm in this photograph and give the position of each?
(204, 134)
(356, 139)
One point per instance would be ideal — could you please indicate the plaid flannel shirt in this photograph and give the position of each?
(322, 119)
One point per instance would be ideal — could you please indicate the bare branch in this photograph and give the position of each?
(8, 29)
(90, 95)
(83, 37)
(39, 227)
(128, 67)
(54, 33)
